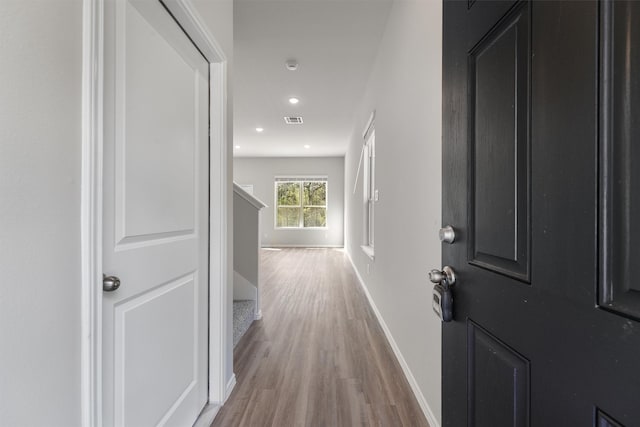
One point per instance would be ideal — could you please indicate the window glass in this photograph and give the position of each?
(301, 203)
(369, 188)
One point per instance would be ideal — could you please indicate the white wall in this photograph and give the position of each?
(40, 153)
(40, 106)
(405, 90)
(261, 171)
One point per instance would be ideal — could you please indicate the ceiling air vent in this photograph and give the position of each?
(293, 120)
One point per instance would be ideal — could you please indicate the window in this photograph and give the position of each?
(370, 193)
(301, 202)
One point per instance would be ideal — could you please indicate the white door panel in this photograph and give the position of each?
(155, 219)
(137, 373)
(157, 154)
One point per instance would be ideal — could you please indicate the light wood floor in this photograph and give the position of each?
(318, 357)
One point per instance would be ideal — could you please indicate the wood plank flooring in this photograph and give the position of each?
(318, 357)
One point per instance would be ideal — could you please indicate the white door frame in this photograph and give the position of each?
(91, 203)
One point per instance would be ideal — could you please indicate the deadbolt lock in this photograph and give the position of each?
(447, 234)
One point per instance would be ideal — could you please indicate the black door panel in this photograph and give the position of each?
(620, 162)
(541, 161)
(498, 111)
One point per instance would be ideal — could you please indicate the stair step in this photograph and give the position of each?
(243, 317)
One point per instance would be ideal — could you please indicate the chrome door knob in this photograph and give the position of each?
(447, 234)
(445, 277)
(436, 276)
(110, 283)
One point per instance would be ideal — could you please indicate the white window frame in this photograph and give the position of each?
(301, 180)
(370, 195)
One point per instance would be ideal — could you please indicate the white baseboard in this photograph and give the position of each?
(206, 417)
(230, 385)
(208, 414)
(258, 315)
(301, 246)
(426, 409)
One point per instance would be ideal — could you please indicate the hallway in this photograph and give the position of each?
(319, 356)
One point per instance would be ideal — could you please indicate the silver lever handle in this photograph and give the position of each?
(445, 277)
(110, 283)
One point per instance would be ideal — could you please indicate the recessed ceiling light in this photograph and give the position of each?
(307, 146)
(293, 101)
(259, 129)
(292, 65)
(237, 147)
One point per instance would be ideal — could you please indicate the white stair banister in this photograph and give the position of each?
(246, 244)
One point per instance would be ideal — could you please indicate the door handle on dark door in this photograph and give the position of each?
(110, 283)
(445, 277)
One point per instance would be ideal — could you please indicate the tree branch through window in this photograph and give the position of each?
(301, 203)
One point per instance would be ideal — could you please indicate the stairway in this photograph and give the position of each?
(243, 317)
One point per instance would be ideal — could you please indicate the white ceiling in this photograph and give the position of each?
(335, 43)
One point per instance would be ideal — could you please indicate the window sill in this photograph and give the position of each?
(368, 250)
(300, 228)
